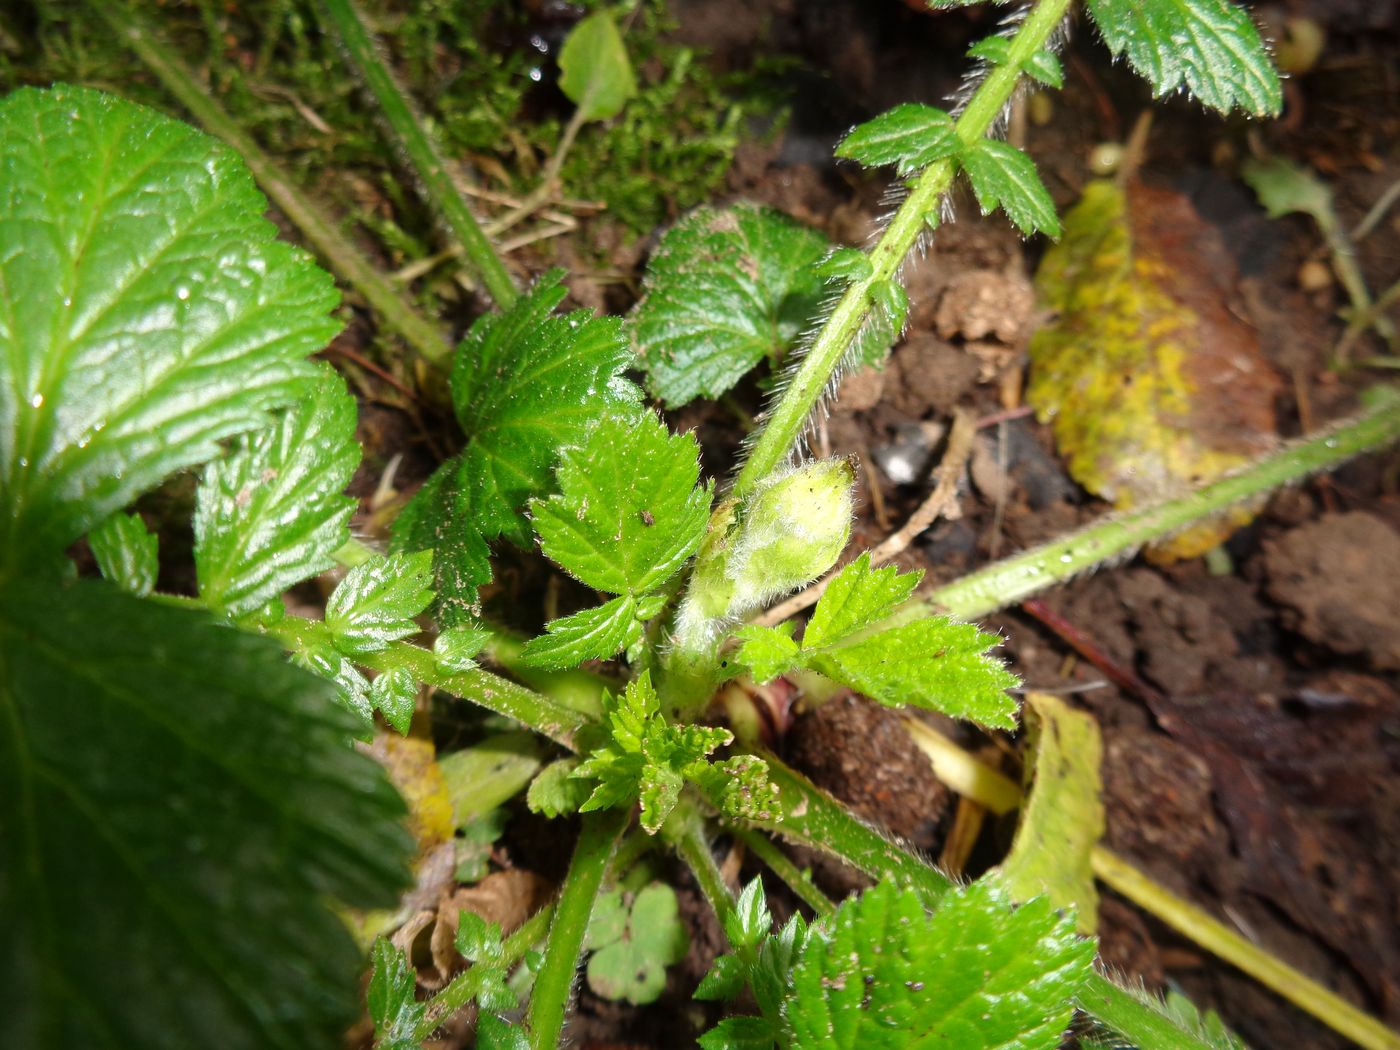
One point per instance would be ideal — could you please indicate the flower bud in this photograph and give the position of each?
(795, 527)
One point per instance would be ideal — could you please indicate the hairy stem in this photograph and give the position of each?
(1134, 1019)
(555, 981)
(1014, 579)
(466, 986)
(336, 251)
(421, 153)
(540, 713)
(686, 832)
(789, 416)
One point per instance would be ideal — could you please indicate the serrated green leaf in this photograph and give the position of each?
(1063, 817)
(1209, 46)
(1003, 176)
(739, 1033)
(629, 511)
(525, 383)
(934, 663)
(724, 290)
(477, 940)
(192, 906)
(392, 1008)
(496, 1033)
(454, 648)
(273, 512)
(892, 301)
(126, 553)
(594, 71)
(643, 757)
(750, 920)
(555, 792)
(592, 634)
(352, 687)
(767, 651)
(724, 980)
(977, 973)
(745, 791)
(857, 597)
(910, 136)
(777, 954)
(1044, 66)
(847, 264)
(994, 50)
(394, 693)
(376, 602)
(147, 312)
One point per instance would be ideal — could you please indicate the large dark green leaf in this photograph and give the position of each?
(146, 310)
(179, 813)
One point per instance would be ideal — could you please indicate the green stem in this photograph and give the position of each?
(1014, 579)
(789, 416)
(762, 847)
(423, 155)
(490, 691)
(555, 981)
(813, 818)
(466, 986)
(336, 251)
(686, 832)
(1134, 1019)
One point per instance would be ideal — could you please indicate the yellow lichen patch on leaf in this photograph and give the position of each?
(1152, 385)
(412, 766)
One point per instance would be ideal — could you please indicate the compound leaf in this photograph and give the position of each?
(593, 634)
(273, 512)
(1209, 46)
(933, 663)
(979, 972)
(629, 512)
(525, 383)
(910, 136)
(594, 72)
(127, 553)
(723, 290)
(767, 651)
(376, 602)
(857, 597)
(171, 871)
(147, 312)
(394, 693)
(1004, 176)
(631, 963)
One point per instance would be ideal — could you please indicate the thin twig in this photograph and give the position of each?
(941, 501)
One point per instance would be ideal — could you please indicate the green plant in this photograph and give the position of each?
(152, 326)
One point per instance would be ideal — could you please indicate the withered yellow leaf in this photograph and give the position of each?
(1152, 385)
(412, 765)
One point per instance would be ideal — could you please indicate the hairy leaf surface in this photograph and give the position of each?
(932, 663)
(146, 310)
(591, 634)
(168, 870)
(977, 973)
(724, 289)
(910, 136)
(525, 384)
(629, 512)
(1208, 46)
(273, 513)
